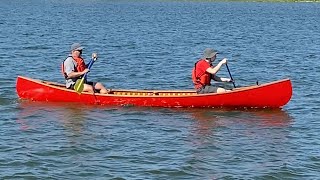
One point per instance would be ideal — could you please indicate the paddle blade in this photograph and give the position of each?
(78, 87)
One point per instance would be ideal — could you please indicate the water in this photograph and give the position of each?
(153, 45)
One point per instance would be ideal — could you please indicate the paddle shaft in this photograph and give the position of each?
(230, 76)
(89, 66)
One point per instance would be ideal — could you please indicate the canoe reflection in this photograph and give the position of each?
(34, 114)
(268, 117)
(73, 116)
(206, 120)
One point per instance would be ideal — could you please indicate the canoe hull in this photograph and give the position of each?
(272, 95)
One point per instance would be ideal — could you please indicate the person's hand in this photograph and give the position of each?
(85, 71)
(226, 80)
(94, 56)
(224, 61)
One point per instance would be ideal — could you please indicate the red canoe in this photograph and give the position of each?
(272, 95)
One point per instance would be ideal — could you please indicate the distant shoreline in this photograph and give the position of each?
(266, 1)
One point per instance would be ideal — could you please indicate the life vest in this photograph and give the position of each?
(202, 79)
(81, 66)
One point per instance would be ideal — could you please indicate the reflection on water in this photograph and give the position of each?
(232, 138)
(73, 116)
(73, 119)
(203, 138)
(200, 124)
(34, 114)
(208, 119)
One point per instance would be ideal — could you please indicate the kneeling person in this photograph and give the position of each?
(74, 68)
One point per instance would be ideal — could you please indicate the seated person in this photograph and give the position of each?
(204, 71)
(74, 68)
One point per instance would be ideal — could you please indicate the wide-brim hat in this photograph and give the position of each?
(76, 46)
(209, 53)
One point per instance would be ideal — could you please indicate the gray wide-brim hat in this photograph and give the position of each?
(76, 46)
(209, 53)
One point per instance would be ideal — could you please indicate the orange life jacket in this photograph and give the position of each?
(81, 66)
(202, 79)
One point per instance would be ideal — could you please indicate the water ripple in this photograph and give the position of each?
(154, 45)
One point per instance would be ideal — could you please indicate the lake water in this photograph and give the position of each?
(153, 45)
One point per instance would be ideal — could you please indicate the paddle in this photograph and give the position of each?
(78, 87)
(231, 76)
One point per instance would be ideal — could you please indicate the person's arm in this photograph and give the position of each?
(217, 68)
(70, 69)
(77, 74)
(220, 79)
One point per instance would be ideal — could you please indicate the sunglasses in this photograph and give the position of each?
(211, 58)
(80, 51)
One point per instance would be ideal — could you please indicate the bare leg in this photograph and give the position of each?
(220, 90)
(88, 88)
(100, 87)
